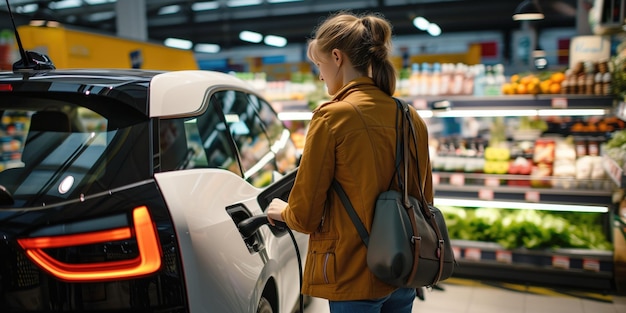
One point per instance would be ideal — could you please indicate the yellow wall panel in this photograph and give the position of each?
(76, 49)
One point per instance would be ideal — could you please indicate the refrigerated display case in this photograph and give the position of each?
(569, 201)
(530, 224)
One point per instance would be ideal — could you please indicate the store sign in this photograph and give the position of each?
(589, 48)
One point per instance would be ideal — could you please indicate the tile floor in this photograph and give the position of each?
(466, 296)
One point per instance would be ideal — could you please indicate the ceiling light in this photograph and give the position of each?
(520, 205)
(66, 4)
(205, 6)
(282, 1)
(250, 36)
(101, 16)
(206, 48)
(275, 41)
(421, 23)
(44, 17)
(527, 11)
(170, 9)
(243, 3)
(28, 8)
(434, 30)
(178, 43)
(96, 2)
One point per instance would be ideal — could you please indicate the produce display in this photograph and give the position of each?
(528, 229)
(554, 152)
(585, 78)
(616, 148)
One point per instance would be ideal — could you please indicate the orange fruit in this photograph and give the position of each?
(521, 89)
(507, 89)
(514, 78)
(533, 88)
(545, 86)
(555, 88)
(557, 77)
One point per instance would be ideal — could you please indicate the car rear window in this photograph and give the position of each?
(55, 150)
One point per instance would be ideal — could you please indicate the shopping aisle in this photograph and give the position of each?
(466, 296)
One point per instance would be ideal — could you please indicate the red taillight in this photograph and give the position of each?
(147, 262)
(6, 87)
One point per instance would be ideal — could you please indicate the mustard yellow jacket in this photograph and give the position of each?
(351, 138)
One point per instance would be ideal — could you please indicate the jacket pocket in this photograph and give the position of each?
(322, 259)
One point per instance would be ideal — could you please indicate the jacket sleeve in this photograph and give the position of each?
(307, 199)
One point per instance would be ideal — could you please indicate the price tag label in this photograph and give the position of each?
(613, 170)
(436, 179)
(532, 196)
(473, 254)
(560, 262)
(591, 265)
(485, 194)
(492, 182)
(457, 179)
(559, 103)
(504, 256)
(420, 104)
(457, 253)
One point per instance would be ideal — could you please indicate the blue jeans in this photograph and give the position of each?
(399, 301)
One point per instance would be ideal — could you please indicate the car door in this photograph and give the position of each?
(214, 167)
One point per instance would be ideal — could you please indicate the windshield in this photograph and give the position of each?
(56, 150)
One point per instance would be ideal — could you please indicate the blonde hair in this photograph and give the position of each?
(366, 41)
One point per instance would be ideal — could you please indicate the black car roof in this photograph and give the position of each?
(126, 85)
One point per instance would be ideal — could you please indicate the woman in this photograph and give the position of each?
(352, 139)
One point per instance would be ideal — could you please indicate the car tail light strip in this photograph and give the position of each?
(147, 262)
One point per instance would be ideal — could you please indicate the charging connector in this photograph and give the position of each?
(249, 226)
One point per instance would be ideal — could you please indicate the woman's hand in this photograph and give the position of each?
(274, 210)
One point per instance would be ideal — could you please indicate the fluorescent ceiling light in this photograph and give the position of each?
(170, 9)
(178, 43)
(483, 113)
(96, 2)
(295, 116)
(527, 11)
(206, 48)
(243, 3)
(29, 8)
(468, 203)
(101, 16)
(282, 1)
(572, 112)
(205, 6)
(421, 23)
(509, 112)
(434, 30)
(250, 36)
(275, 41)
(66, 4)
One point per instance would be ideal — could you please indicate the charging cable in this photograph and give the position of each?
(249, 226)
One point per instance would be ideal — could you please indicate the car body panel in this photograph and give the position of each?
(188, 195)
(182, 93)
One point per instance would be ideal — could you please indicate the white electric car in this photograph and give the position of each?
(123, 190)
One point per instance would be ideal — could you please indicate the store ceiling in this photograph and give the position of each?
(296, 20)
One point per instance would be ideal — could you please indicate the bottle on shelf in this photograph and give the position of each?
(414, 81)
(435, 84)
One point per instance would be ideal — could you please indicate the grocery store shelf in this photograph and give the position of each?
(488, 187)
(558, 101)
(509, 105)
(592, 269)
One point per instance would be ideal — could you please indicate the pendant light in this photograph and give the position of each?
(527, 11)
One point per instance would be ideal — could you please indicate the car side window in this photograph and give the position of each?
(249, 134)
(280, 137)
(197, 142)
